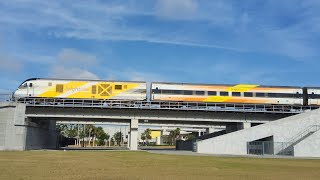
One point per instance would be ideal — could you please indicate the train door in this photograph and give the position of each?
(313, 96)
(156, 93)
(30, 89)
(298, 96)
(317, 96)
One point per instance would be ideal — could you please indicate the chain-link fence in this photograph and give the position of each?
(270, 148)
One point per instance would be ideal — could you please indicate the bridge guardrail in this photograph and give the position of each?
(161, 105)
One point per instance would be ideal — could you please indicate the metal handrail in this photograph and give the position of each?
(298, 137)
(313, 128)
(162, 105)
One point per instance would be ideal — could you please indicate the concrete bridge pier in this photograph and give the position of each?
(231, 127)
(210, 130)
(133, 137)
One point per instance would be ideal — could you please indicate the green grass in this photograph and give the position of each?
(143, 165)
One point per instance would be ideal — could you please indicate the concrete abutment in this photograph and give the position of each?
(20, 133)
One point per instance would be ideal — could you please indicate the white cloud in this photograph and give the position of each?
(73, 64)
(131, 74)
(219, 24)
(71, 73)
(176, 9)
(74, 57)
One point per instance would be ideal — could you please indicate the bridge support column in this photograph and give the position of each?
(210, 130)
(161, 136)
(231, 127)
(158, 140)
(246, 125)
(128, 143)
(134, 134)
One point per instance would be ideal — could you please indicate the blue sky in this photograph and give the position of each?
(267, 42)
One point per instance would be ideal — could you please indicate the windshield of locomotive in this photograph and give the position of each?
(22, 86)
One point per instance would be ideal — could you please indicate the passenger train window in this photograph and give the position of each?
(118, 87)
(273, 95)
(200, 93)
(236, 94)
(94, 89)
(212, 93)
(59, 88)
(25, 85)
(187, 92)
(248, 94)
(50, 84)
(280, 95)
(224, 93)
(155, 91)
(171, 92)
(312, 96)
(260, 94)
(30, 84)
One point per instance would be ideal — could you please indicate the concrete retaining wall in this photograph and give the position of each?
(282, 130)
(310, 147)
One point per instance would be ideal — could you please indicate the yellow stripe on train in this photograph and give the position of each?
(104, 90)
(217, 99)
(52, 91)
(242, 87)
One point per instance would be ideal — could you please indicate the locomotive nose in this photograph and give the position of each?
(17, 94)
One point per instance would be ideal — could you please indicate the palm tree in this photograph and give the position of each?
(143, 137)
(177, 132)
(174, 134)
(147, 133)
(190, 137)
(117, 137)
(101, 135)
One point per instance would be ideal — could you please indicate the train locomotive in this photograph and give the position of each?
(81, 89)
(177, 92)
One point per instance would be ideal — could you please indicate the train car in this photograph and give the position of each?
(81, 89)
(313, 96)
(240, 93)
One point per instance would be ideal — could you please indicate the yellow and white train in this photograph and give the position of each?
(241, 93)
(179, 92)
(81, 89)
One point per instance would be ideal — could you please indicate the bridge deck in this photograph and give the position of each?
(169, 105)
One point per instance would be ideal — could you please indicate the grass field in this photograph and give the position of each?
(143, 165)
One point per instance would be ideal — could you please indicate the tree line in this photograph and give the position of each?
(84, 131)
(90, 131)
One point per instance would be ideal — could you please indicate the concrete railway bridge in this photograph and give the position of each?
(31, 123)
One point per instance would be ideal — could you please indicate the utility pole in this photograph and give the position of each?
(125, 134)
(78, 136)
(84, 134)
(89, 140)
(120, 137)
